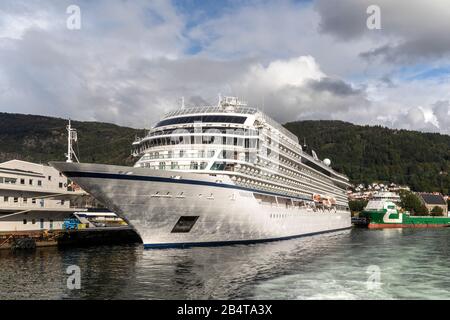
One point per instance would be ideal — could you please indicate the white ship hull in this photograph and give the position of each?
(153, 201)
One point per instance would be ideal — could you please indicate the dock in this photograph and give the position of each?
(28, 240)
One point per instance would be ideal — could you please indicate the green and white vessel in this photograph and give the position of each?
(385, 214)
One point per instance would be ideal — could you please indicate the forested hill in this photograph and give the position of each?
(374, 153)
(366, 154)
(42, 139)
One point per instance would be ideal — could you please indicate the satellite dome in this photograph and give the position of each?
(327, 162)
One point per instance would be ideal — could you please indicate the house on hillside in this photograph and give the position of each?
(431, 200)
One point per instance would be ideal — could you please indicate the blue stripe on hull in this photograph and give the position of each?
(231, 242)
(98, 175)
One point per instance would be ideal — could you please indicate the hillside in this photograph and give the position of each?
(375, 153)
(364, 153)
(41, 139)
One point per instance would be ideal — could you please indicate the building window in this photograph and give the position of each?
(31, 182)
(10, 180)
(60, 184)
(33, 201)
(22, 181)
(24, 221)
(49, 178)
(16, 199)
(33, 221)
(39, 183)
(6, 199)
(25, 200)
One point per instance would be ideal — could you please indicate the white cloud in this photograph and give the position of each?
(130, 63)
(16, 19)
(280, 73)
(13, 26)
(441, 113)
(412, 31)
(273, 30)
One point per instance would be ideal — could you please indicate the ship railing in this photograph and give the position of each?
(177, 167)
(176, 158)
(210, 109)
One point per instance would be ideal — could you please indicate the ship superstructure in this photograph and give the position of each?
(245, 144)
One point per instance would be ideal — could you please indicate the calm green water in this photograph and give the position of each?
(411, 263)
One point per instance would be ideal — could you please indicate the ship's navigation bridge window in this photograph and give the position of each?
(175, 165)
(206, 140)
(222, 166)
(179, 154)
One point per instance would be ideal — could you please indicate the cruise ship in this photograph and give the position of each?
(217, 175)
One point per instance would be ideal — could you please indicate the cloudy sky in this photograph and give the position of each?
(131, 61)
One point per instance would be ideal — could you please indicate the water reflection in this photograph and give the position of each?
(413, 263)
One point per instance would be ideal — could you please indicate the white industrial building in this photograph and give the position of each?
(34, 197)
